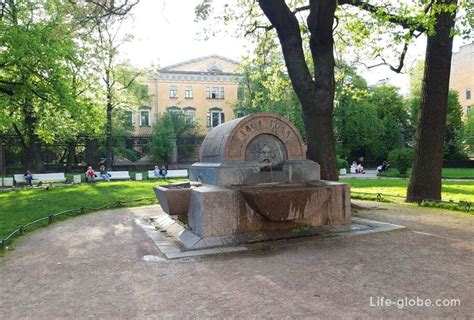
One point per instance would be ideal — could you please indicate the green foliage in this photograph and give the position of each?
(41, 84)
(468, 133)
(369, 122)
(170, 126)
(341, 163)
(401, 159)
(391, 172)
(454, 133)
(122, 129)
(301, 229)
(265, 86)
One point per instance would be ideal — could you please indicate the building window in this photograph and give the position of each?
(215, 92)
(173, 91)
(144, 118)
(173, 109)
(188, 92)
(215, 117)
(128, 119)
(190, 114)
(468, 94)
(468, 110)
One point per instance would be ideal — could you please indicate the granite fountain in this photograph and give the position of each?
(253, 181)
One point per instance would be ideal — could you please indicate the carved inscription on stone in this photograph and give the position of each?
(275, 126)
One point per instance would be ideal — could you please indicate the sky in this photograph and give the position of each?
(165, 33)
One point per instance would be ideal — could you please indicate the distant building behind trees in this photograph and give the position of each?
(203, 90)
(462, 77)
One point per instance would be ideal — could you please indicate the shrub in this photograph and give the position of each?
(391, 172)
(458, 156)
(401, 159)
(341, 163)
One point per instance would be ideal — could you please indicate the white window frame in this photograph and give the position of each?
(468, 94)
(190, 113)
(210, 116)
(214, 92)
(149, 117)
(174, 109)
(188, 92)
(173, 91)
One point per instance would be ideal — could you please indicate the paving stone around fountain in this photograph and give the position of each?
(175, 241)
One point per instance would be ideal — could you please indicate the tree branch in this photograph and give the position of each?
(270, 27)
(410, 23)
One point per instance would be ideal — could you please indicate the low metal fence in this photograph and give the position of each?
(461, 205)
(78, 211)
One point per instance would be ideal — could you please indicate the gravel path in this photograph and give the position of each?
(92, 267)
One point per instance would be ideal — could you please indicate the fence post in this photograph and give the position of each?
(467, 206)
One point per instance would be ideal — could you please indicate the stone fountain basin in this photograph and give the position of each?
(283, 201)
(174, 198)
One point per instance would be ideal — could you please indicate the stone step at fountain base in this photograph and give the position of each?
(175, 241)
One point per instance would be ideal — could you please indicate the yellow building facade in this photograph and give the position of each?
(203, 89)
(462, 77)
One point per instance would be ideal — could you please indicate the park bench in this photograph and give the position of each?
(183, 173)
(7, 182)
(115, 175)
(41, 177)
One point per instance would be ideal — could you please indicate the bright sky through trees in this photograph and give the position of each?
(165, 33)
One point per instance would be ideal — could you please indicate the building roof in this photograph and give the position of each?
(192, 61)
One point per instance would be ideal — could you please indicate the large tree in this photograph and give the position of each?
(45, 91)
(312, 76)
(425, 181)
(316, 93)
(37, 75)
(117, 78)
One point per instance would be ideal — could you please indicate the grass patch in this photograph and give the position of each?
(395, 190)
(458, 173)
(448, 173)
(19, 207)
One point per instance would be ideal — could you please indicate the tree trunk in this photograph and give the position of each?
(108, 134)
(71, 155)
(425, 181)
(32, 146)
(316, 97)
(92, 154)
(320, 23)
(34, 160)
(2, 158)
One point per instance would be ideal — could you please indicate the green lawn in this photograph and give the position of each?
(458, 173)
(18, 207)
(448, 173)
(451, 190)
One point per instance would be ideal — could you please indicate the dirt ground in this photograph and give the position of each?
(92, 267)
